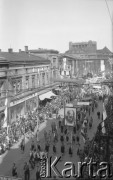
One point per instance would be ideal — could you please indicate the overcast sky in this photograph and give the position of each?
(52, 24)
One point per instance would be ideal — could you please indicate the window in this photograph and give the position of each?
(1, 88)
(33, 81)
(47, 78)
(38, 80)
(27, 83)
(43, 79)
(14, 86)
(19, 85)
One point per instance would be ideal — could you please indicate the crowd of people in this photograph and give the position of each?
(60, 133)
(68, 138)
(16, 130)
(101, 149)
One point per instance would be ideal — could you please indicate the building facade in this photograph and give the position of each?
(84, 58)
(50, 54)
(23, 77)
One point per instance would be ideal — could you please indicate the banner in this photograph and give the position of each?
(102, 65)
(70, 116)
(5, 112)
(83, 103)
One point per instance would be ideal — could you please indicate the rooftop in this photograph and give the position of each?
(105, 50)
(40, 50)
(22, 57)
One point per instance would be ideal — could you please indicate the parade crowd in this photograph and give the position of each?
(68, 138)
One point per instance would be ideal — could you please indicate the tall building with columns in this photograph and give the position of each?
(83, 58)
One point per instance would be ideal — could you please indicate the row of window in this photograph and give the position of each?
(34, 80)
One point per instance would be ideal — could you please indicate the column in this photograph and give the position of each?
(72, 67)
(30, 81)
(23, 83)
(36, 82)
(40, 79)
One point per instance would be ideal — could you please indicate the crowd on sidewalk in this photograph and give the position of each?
(16, 130)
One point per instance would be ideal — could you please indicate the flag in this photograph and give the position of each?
(103, 128)
(5, 112)
(104, 117)
(104, 112)
(83, 135)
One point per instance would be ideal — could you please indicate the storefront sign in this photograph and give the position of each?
(22, 100)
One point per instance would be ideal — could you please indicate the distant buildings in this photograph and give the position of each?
(84, 57)
(23, 78)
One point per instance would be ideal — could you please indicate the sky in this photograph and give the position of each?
(52, 24)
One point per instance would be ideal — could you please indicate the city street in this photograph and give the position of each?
(15, 154)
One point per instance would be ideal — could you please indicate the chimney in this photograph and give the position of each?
(26, 49)
(10, 50)
(19, 50)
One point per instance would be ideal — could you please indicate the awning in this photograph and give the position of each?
(47, 95)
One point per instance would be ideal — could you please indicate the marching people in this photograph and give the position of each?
(62, 149)
(59, 133)
(54, 148)
(70, 151)
(22, 145)
(32, 145)
(61, 138)
(38, 173)
(26, 171)
(14, 170)
(98, 114)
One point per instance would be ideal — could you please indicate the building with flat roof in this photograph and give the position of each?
(83, 47)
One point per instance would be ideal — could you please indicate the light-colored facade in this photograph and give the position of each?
(83, 58)
(23, 77)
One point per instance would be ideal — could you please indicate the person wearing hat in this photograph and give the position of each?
(61, 138)
(61, 128)
(62, 149)
(54, 148)
(38, 173)
(70, 151)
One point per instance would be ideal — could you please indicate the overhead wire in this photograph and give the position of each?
(109, 12)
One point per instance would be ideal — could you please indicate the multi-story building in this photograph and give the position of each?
(84, 57)
(50, 54)
(23, 78)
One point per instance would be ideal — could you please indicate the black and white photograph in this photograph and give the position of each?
(56, 89)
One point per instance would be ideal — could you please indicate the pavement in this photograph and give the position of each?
(16, 156)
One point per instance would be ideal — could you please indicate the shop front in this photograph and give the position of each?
(21, 107)
(31, 104)
(17, 111)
